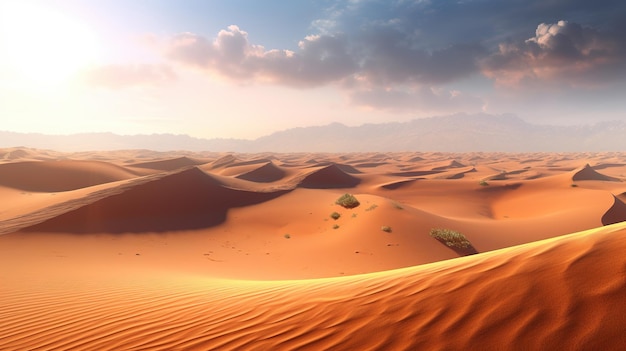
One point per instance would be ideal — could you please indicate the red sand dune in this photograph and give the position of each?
(588, 173)
(267, 173)
(565, 293)
(56, 176)
(169, 164)
(331, 176)
(190, 199)
(178, 252)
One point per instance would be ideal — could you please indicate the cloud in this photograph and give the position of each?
(321, 59)
(423, 99)
(117, 76)
(388, 58)
(561, 52)
(399, 55)
(362, 67)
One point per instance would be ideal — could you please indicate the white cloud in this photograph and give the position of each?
(321, 59)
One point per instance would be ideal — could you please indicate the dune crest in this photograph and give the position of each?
(267, 173)
(169, 164)
(189, 199)
(563, 293)
(588, 173)
(326, 177)
(62, 175)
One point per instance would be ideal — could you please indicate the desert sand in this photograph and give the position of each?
(143, 250)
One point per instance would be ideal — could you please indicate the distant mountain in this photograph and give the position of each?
(455, 133)
(110, 141)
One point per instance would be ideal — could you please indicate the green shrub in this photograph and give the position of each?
(335, 215)
(371, 207)
(347, 201)
(451, 238)
(386, 228)
(397, 205)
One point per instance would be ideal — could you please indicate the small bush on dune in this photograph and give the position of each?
(451, 238)
(335, 215)
(397, 205)
(483, 183)
(386, 228)
(348, 201)
(371, 208)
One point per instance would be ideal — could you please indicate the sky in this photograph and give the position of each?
(245, 69)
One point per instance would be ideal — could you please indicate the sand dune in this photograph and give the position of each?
(332, 176)
(134, 249)
(190, 199)
(56, 176)
(564, 293)
(224, 161)
(26, 154)
(169, 164)
(588, 173)
(267, 173)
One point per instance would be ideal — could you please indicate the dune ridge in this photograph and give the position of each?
(169, 164)
(188, 199)
(60, 175)
(482, 301)
(331, 176)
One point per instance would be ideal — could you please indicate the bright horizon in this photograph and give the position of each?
(244, 69)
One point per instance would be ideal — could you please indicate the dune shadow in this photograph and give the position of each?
(329, 177)
(461, 251)
(184, 201)
(616, 213)
(265, 174)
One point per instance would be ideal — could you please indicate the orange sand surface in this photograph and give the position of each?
(129, 250)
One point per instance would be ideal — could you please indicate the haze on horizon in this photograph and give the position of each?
(244, 69)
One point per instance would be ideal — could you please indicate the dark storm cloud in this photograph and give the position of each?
(383, 53)
(563, 52)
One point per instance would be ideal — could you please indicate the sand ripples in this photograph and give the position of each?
(562, 293)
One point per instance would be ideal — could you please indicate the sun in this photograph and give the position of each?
(42, 46)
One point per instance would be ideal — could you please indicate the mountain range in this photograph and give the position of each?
(453, 133)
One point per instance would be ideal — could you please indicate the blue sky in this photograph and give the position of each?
(244, 69)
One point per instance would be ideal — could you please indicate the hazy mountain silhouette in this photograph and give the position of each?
(454, 133)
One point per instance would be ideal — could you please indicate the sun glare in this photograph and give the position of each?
(43, 47)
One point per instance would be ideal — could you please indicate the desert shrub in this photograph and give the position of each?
(451, 238)
(287, 236)
(336, 226)
(483, 183)
(335, 215)
(397, 205)
(574, 185)
(347, 201)
(372, 207)
(386, 228)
